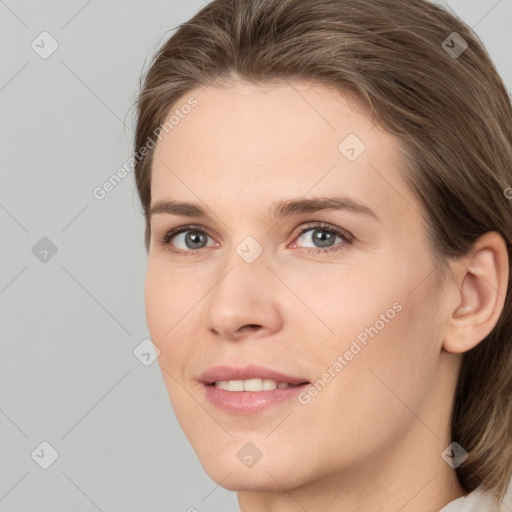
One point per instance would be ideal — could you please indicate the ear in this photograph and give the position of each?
(481, 279)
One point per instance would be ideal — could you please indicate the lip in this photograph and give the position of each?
(248, 372)
(249, 402)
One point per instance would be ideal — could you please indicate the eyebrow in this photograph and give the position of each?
(277, 211)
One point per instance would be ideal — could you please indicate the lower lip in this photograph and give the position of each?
(250, 402)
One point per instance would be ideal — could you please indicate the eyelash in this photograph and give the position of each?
(344, 235)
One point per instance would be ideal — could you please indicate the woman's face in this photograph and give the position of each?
(339, 296)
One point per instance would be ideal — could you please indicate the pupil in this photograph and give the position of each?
(192, 239)
(322, 238)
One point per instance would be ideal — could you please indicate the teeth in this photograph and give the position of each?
(251, 385)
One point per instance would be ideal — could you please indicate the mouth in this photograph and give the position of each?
(249, 390)
(255, 384)
(249, 378)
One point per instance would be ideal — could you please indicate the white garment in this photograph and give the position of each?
(478, 501)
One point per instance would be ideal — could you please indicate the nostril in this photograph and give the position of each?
(253, 327)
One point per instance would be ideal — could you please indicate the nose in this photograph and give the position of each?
(244, 302)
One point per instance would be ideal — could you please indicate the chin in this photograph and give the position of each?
(247, 480)
(269, 475)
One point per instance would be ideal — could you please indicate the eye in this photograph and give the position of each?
(324, 236)
(191, 238)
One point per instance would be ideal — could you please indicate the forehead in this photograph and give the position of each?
(254, 144)
(269, 122)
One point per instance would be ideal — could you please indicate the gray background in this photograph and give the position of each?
(69, 325)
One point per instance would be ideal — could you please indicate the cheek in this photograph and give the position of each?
(157, 304)
(162, 310)
(388, 339)
(399, 362)
(379, 386)
(171, 306)
(166, 299)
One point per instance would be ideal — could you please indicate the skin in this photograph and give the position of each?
(372, 438)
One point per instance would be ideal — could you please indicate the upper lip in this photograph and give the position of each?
(247, 372)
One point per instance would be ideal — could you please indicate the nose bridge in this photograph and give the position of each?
(244, 274)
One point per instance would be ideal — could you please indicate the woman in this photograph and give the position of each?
(326, 186)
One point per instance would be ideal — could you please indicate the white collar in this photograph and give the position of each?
(477, 501)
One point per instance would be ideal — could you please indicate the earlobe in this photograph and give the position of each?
(481, 294)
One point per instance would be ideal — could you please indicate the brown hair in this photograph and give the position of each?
(451, 113)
